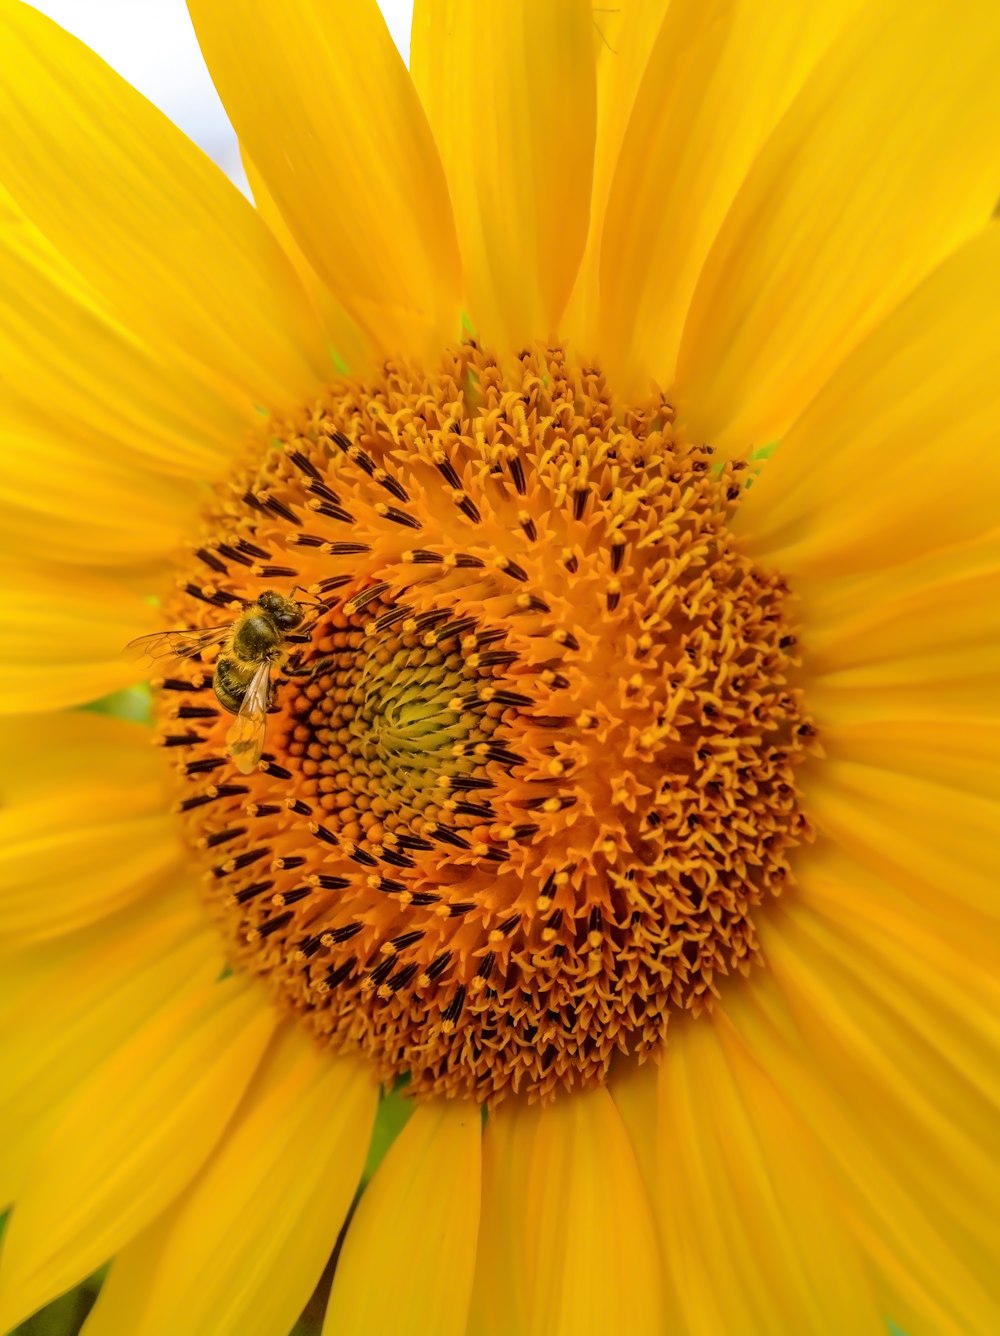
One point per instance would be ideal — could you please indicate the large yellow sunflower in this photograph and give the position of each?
(617, 401)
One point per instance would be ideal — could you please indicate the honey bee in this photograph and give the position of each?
(251, 647)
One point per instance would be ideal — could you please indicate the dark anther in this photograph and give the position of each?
(276, 771)
(196, 712)
(341, 974)
(613, 599)
(383, 969)
(447, 471)
(438, 965)
(454, 1007)
(617, 556)
(272, 925)
(422, 898)
(331, 883)
(460, 908)
(571, 564)
(359, 855)
(250, 892)
(232, 555)
(293, 897)
(402, 978)
(406, 939)
(512, 569)
(345, 933)
(517, 473)
(580, 502)
(332, 512)
(302, 463)
(223, 836)
(402, 517)
(348, 549)
(469, 510)
(211, 560)
(203, 764)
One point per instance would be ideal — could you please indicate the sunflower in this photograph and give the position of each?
(613, 403)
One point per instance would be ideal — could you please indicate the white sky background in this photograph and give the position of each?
(152, 43)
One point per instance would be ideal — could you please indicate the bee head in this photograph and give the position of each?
(284, 612)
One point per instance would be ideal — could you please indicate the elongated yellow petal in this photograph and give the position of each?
(718, 78)
(902, 1037)
(243, 1248)
(98, 834)
(164, 244)
(921, 1271)
(351, 349)
(81, 384)
(949, 624)
(755, 1239)
(886, 162)
(898, 452)
(130, 1140)
(422, 1210)
(571, 1243)
(62, 637)
(888, 824)
(624, 36)
(66, 1004)
(915, 639)
(353, 168)
(516, 131)
(961, 753)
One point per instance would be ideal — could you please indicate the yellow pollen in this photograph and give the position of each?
(528, 775)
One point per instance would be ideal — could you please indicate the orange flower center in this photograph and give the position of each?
(529, 766)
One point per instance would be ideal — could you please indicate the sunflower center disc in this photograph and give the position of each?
(530, 767)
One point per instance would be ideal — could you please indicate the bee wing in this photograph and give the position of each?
(245, 739)
(182, 644)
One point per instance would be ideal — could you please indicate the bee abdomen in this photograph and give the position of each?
(228, 686)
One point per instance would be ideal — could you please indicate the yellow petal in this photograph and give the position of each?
(718, 78)
(914, 830)
(941, 621)
(917, 639)
(422, 1209)
(324, 106)
(568, 1243)
(509, 89)
(96, 833)
(898, 451)
(623, 40)
(130, 1140)
(351, 350)
(82, 391)
(887, 161)
(755, 1238)
(62, 636)
(960, 753)
(66, 1004)
(158, 237)
(925, 1282)
(244, 1247)
(903, 1033)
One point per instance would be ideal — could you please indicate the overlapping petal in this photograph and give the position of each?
(241, 1251)
(567, 1235)
(130, 1140)
(520, 174)
(886, 162)
(422, 1210)
(160, 258)
(719, 75)
(354, 170)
